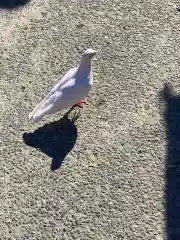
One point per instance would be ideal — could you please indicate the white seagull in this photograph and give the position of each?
(71, 90)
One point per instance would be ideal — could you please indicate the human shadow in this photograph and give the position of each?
(10, 4)
(55, 139)
(172, 166)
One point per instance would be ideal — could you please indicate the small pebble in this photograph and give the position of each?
(80, 25)
(127, 148)
(116, 179)
(144, 217)
(101, 102)
(159, 237)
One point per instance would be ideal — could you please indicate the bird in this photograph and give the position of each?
(70, 91)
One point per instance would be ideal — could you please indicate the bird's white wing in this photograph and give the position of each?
(67, 77)
(62, 98)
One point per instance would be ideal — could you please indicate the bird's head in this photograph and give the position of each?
(89, 52)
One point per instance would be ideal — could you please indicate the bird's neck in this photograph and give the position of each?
(86, 60)
(85, 68)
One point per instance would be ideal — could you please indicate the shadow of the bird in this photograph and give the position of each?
(56, 140)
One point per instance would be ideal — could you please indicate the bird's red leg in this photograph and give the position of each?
(81, 103)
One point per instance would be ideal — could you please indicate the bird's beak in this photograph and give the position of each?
(94, 52)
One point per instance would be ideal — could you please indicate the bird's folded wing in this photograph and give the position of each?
(47, 106)
(69, 75)
(59, 99)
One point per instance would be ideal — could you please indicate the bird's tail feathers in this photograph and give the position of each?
(37, 114)
(35, 117)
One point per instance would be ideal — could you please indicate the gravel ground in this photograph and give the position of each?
(104, 177)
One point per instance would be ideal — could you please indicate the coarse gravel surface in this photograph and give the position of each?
(105, 176)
